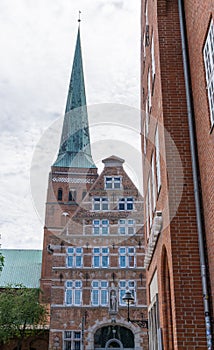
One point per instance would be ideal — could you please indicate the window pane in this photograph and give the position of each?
(104, 297)
(69, 283)
(121, 206)
(67, 345)
(70, 250)
(122, 222)
(105, 261)
(70, 261)
(77, 297)
(122, 230)
(131, 261)
(130, 230)
(79, 250)
(104, 284)
(68, 334)
(96, 250)
(77, 335)
(95, 297)
(105, 250)
(122, 293)
(95, 284)
(78, 261)
(96, 230)
(129, 206)
(122, 261)
(96, 261)
(77, 345)
(69, 296)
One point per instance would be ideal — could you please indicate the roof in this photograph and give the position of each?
(75, 149)
(21, 266)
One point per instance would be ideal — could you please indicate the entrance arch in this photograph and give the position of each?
(113, 337)
(114, 344)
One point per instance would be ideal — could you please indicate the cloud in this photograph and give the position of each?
(36, 59)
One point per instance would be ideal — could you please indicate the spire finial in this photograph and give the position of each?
(79, 19)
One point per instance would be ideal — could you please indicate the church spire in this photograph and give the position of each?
(75, 149)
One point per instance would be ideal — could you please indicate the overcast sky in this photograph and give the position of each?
(37, 45)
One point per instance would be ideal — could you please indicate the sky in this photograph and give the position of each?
(37, 46)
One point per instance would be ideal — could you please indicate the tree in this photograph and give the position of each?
(1, 261)
(21, 313)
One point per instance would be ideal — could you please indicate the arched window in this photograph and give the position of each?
(59, 197)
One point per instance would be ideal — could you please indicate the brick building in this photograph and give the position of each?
(177, 74)
(93, 241)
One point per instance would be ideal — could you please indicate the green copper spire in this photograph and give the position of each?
(75, 149)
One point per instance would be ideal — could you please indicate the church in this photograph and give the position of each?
(93, 250)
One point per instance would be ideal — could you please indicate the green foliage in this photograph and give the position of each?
(21, 314)
(1, 261)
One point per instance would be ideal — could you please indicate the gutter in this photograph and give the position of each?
(195, 169)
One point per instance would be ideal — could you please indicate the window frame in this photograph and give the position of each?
(100, 202)
(72, 291)
(126, 286)
(126, 225)
(126, 255)
(101, 257)
(208, 56)
(99, 225)
(126, 201)
(100, 288)
(112, 180)
(74, 257)
(72, 340)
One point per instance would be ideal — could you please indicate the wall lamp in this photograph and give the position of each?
(129, 299)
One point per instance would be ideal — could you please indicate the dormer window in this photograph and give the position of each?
(113, 182)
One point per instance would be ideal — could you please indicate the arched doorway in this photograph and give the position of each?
(114, 344)
(113, 337)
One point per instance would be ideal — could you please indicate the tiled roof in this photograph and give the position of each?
(21, 266)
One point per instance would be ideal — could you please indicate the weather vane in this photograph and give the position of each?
(79, 19)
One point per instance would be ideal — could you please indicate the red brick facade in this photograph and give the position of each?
(94, 322)
(172, 250)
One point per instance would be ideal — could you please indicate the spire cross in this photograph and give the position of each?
(79, 19)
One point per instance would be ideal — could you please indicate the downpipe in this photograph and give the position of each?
(195, 176)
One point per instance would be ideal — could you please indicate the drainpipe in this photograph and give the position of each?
(195, 175)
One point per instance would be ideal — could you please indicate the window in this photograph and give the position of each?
(59, 197)
(126, 257)
(113, 182)
(100, 203)
(153, 58)
(101, 257)
(72, 196)
(72, 340)
(153, 183)
(126, 227)
(100, 227)
(123, 286)
(149, 98)
(73, 293)
(74, 257)
(157, 148)
(209, 68)
(99, 293)
(125, 203)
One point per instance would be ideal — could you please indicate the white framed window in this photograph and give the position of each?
(127, 257)
(126, 227)
(153, 57)
(154, 189)
(72, 340)
(208, 53)
(157, 158)
(126, 203)
(73, 292)
(101, 227)
(123, 286)
(149, 93)
(74, 256)
(99, 293)
(100, 203)
(100, 257)
(114, 182)
(150, 201)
